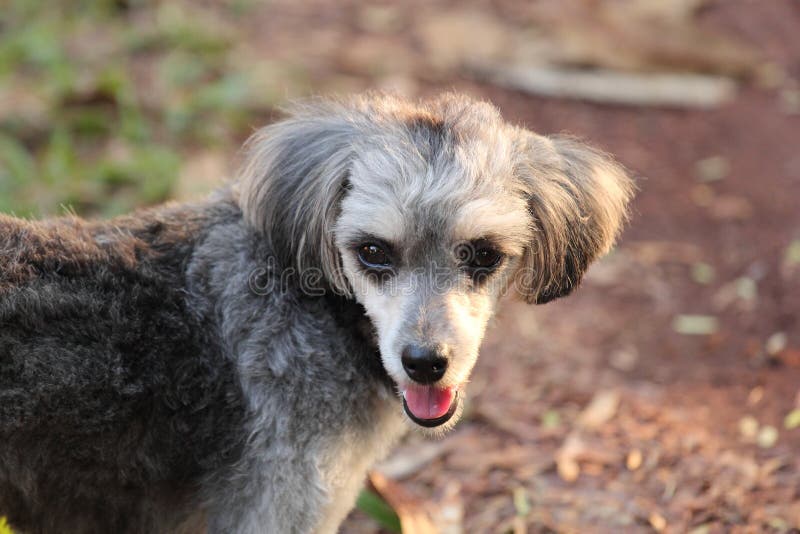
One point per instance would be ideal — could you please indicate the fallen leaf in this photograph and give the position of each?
(746, 288)
(792, 254)
(449, 516)
(701, 529)
(600, 410)
(695, 325)
(522, 503)
(712, 169)
(702, 273)
(634, 460)
(792, 419)
(767, 437)
(755, 395)
(407, 460)
(566, 463)
(657, 521)
(551, 419)
(413, 515)
(568, 469)
(748, 427)
(776, 343)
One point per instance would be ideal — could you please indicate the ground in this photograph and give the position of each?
(663, 394)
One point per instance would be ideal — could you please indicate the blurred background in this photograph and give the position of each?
(662, 396)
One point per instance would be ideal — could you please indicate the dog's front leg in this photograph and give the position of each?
(266, 496)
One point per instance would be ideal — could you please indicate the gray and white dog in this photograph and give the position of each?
(237, 365)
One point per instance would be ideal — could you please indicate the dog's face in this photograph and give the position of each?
(429, 240)
(427, 214)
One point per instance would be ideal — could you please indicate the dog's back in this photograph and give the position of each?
(102, 366)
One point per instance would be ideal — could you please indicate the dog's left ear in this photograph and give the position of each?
(291, 184)
(578, 200)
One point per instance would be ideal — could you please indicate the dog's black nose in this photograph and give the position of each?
(423, 365)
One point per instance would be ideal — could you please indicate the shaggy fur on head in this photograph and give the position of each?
(238, 364)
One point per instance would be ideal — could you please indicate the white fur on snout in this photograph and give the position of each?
(468, 313)
(384, 305)
(465, 316)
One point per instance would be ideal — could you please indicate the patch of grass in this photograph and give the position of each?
(99, 99)
(371, 504)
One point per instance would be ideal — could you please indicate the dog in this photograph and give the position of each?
(236, 365)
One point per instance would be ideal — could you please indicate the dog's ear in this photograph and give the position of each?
(290, 186)
(578, 201)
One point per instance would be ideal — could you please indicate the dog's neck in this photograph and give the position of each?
(350, 314)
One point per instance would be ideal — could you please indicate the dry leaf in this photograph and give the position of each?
(695, 325)
(657, 521)
(600, 410)
(412, 511)
(409, 459)
(449, 516)
(634, 460)
(767, 436)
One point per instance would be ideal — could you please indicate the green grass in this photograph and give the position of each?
(375, 507)
(99, 102)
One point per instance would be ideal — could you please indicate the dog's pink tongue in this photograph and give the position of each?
(428, 402)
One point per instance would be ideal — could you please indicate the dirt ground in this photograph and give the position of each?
(685, 433)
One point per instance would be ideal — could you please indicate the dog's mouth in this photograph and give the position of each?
(430, 406)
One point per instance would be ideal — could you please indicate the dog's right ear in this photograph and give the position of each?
(290, 186)
(578, 199)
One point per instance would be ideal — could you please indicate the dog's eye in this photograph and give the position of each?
(479, 257)
(372, 255)
(486, 258)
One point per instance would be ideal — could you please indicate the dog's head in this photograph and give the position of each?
(427, 214)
